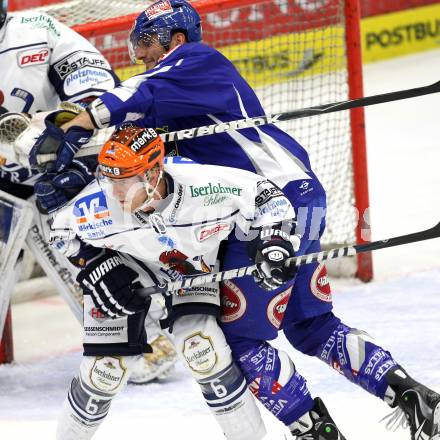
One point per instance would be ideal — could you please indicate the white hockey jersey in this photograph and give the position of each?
(44, 62)
(182, 237)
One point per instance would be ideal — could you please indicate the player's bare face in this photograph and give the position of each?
(133, 192)
(149, 51)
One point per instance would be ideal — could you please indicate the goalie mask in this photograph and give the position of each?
(130, 167)
(3, 11)
(161, 19)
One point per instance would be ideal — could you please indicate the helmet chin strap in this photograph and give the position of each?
(150, 193)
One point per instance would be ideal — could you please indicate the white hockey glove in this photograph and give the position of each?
(269, 251)
(112, 286)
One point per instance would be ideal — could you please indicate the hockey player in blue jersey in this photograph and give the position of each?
(189, 84)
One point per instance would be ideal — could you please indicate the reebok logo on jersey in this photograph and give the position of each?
(214, 189)
(33, 57)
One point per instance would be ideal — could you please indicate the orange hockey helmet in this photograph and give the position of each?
(131, 151)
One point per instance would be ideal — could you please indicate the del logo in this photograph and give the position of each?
(32, 57)
(209, 231)
(91, 207)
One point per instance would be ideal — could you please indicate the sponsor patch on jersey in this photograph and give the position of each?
(274, 208)
(320, 285)
(157, 223)
(79, 60)
(91, 207)
(158, 9)
(277, 307)
(265, 192)
(85, 78)
(42, 21)
(206, 232)
(98, 330)
(107, 373)
(233, 302)
(177, 204)
(199, 353)
(92, 215)
(33, 57)
(214, 188)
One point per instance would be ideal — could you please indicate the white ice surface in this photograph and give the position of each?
(400, 308)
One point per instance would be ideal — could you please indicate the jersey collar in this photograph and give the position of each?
(167, 54)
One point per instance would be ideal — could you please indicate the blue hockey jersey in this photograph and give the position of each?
(195, 85)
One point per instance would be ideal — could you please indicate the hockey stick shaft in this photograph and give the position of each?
(317, 257)
(240, 124)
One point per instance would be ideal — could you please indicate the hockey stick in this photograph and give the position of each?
(206, 130)
(317, 257)
(240, 124)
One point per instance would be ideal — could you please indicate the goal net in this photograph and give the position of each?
(295, 54)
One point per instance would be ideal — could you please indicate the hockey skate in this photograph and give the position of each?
(155, 365)
(417, 407)
(316, 425)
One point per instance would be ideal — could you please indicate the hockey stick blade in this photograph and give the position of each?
(317, 257)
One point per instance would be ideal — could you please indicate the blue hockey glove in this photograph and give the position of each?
(112, 286)
(54, 141)
(55, 190)
(269, 251)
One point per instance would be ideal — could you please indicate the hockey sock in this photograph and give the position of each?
(354, 354)
(90, 395)
(273, 379)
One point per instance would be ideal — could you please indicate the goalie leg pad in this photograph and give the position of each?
(90, 395)
(354, 354)
(273, 379)
(205, 352)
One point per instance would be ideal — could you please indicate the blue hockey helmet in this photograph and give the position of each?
(161, 19)
(3, 11)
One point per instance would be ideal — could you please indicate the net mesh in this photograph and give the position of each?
(291, 51)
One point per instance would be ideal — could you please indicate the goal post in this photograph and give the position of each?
(15, 220)
(358, 135)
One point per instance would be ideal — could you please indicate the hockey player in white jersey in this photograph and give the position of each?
(143, 222)
(43, 64)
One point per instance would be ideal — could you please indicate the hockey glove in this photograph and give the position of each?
(269, 251)
(54, 141)
(112, 286)
(55, 190)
